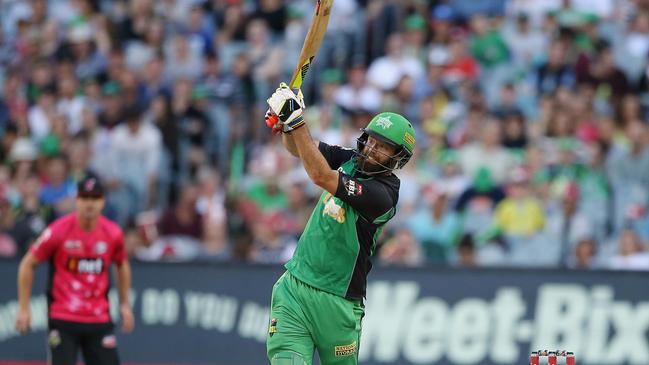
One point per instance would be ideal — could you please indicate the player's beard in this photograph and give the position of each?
(369, 166)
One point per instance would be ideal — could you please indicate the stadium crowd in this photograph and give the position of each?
(531, 118)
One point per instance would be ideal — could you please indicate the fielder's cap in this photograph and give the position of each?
(90, 187)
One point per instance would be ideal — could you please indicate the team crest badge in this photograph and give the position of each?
(384, 122)
(101, 247)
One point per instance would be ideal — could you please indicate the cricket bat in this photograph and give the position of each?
(312, 42)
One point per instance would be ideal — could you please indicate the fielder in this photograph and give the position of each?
(317, 304)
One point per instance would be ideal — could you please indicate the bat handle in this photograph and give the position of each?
(271, 120)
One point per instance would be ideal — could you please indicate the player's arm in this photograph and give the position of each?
(25, 282)
(287, 141)
(123, 282)
(123, 271)
(289, 108)
(315, 164)
(44, 247)
(123, 287)
(290, 146)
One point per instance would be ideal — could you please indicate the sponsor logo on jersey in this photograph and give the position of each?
(333, 210)
(345, 350)
(72, 245)
(101, 247)
(85, 265)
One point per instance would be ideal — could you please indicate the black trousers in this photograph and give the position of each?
(96, 341)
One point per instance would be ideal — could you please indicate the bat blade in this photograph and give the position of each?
(312, 42)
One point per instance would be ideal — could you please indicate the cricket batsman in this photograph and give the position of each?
(317, 304)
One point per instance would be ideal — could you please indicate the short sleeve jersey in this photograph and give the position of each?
(79, 276)
(334, 251)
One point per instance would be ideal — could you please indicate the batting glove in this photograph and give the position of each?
(288, 107)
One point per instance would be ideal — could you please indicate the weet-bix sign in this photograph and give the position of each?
(219, 315)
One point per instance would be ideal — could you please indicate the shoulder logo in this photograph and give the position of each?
(384, 122)
(353, 188)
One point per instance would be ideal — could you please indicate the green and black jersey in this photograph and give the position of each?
(334, 251)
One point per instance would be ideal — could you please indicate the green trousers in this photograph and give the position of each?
(303, 319)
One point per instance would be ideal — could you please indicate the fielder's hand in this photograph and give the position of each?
(128, 323)
(288, 107)
(23, 321)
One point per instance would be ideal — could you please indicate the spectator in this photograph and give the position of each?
(466, 252)
(489, 49)
(264, 56)
(507, 104)
(524, 42)
(385, 72)
(461, 66)
(59, 189)
(629, 170)
(358, 94)
(183, 219)
(8, 246)
(210, 204)
(401, 249)
(79, 156)
(585, 254)
(520, 213)
(515, 131)
(555, 72)
(31, 215)
(478, 202)
(568, 225)
(434, 226)
(415, 37)
(632, 255)
(298, 208)
(41, 114)
(605, 76)
(135, 157)
(487, 153)
(182, 62)
(271, 244)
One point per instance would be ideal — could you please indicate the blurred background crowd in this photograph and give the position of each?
(531, 119)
